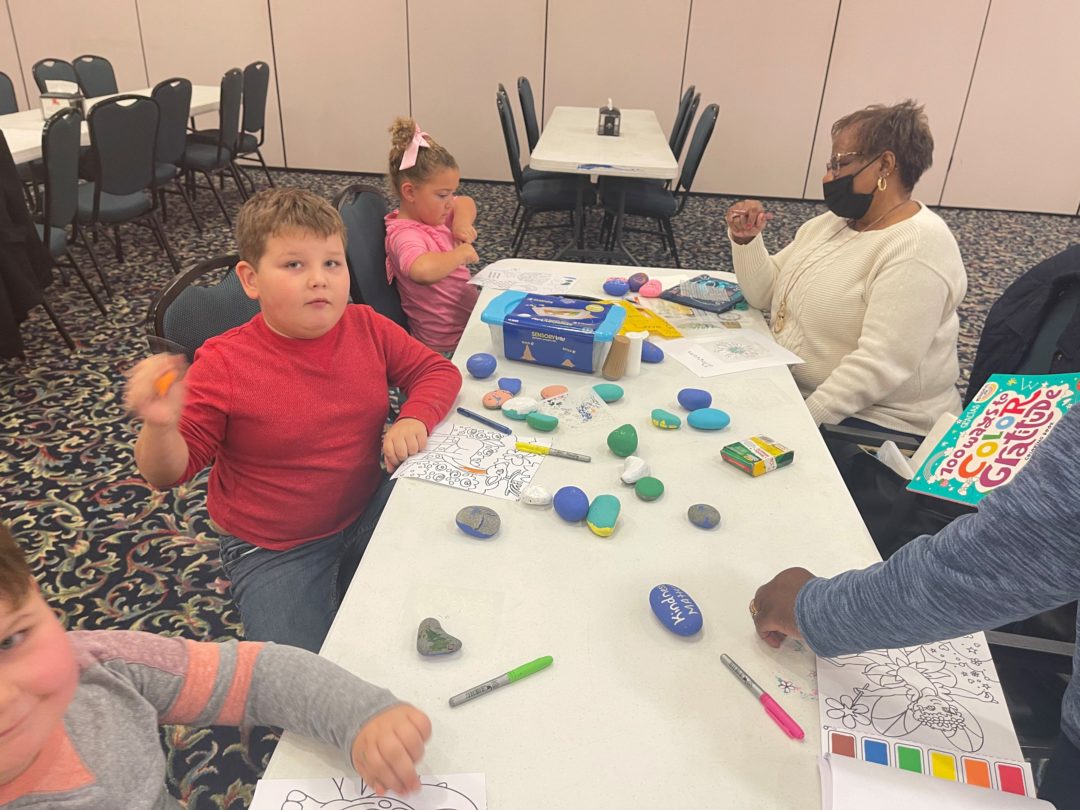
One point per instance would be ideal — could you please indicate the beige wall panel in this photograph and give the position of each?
(65, 29)
(926, 53)
(630, 50)
(343, 70)
(766, 71)
(453, 88)
(9, 59)
(1022, 122)
(201, 39)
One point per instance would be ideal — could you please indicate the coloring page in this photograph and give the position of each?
(578, 409)
(461, 791)
(509, 277)
(739, 350)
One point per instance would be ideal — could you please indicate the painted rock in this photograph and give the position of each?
(511, 384)
(544, 422)
(520, 407)
(431, 639)
(603, 513)
(481, 365)
(665, 419)
(708, 419)
(676, 610)
(616, 286)
(637, 280)
(478, 521)
(609, 392)
(651, 288)
(549, 391)
(634, 470)
(704, 516)
(651, 353)
(493, 400)
(649, 488)
(694, 398)
(623, 440)
(571, 504)
(535, 495)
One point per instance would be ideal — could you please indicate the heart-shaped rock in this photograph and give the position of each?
(431, 639)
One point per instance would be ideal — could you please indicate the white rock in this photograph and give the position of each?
(634, 470)
(536, 496)
(521, 405)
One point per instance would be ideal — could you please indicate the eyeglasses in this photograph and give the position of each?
(840, 161)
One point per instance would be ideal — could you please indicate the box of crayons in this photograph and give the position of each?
(757, 455)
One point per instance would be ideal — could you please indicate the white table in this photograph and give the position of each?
(629, 715)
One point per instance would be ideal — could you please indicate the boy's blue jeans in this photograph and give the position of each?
(291, 597)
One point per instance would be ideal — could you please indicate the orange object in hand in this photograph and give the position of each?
(163, 383)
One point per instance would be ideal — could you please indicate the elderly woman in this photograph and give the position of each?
(866, 293)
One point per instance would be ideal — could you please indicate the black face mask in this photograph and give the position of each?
(843, 200)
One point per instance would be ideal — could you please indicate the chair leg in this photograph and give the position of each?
(119, 249)
(239, 182)
(159, 230)
(671, 239)
(56, 322)
(187, 202)
(266, 170)
(217, 196)
(517, 210)
(523, 228)
(93, 259)
(82, 277)
(164, 211)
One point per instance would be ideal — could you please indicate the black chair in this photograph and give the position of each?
(95, 76)
(217, 158)
(45, 69)
(123, 137)
(253, 124)
(684, 117)
(363, 209)
(8, 101)
(528, 112)
(192, 308)
(60, 157)
(173, 97)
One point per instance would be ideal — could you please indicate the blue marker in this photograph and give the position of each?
(483, 420)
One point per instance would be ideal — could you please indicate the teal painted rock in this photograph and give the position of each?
(544, 422)
(649, 488)
(708, 419)
(511, 384)
(676, 610)
(571, 504)
(665, 419)
(603, 512)
(609, 392)
(478, 521)
(651, 353)
(694, 398)
(623, 440)
(704, 516)
(519, 407)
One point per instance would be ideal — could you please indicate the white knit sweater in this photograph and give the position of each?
(872, 313)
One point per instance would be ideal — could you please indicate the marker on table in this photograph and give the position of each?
(528, 447)
(483, 420)
(513, 675)
(772, 708)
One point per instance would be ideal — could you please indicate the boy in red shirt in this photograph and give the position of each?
(290, 409)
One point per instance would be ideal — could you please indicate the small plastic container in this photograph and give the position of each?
(553, 330)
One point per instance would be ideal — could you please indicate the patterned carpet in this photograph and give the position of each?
(112, 553)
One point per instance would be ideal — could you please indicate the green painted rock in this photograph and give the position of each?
(665, 419)
(609, 392)
(649, 488)
(543, 422)
(603, 512)
(623, 440)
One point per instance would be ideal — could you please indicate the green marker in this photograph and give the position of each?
(513, 675)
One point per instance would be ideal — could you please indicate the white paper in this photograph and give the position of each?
(740, 350)
(458, 791)
(517, 278)
(940, 428)
(889, 455)
(60, 86)
(578, 409)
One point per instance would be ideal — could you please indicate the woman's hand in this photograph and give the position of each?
(745, 220)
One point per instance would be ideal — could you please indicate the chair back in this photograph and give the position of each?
(363, 209)
(679, 135)
(232, 91)
(528, 112)
(680, 114)
(51, 68)
(8, 102)
(702, 134)
(95, 76)
(173, 97)
(123, 136)
(513, 150)
(256, 86)
(188, 314)
(60, 156)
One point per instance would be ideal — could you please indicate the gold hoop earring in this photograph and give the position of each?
(882, 183)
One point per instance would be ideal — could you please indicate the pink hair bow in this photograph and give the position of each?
(412, 151)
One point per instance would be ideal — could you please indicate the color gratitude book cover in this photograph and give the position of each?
(995, 436)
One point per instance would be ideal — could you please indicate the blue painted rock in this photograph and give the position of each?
(616, 286)
(603, 513)
(431, 639)
(708, 419)
(663, 419)
(634, 470)
(544, 422)
(651, 353)
(676, 610)
(493, 400)
(694, 398)
(637, 280)
(651, 288)
(511, 384)
(609, 392)
(536, 495)
(481, 365)
(704, 516)
(571, 504)
(549, 391)
(519, 407)
(478, 521)
(623, 440)
(649, 488)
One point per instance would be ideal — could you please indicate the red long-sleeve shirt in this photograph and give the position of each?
(294, 427)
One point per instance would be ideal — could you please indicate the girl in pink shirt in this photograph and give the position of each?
(429, 238)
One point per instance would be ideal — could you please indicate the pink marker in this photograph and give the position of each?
(772, 708)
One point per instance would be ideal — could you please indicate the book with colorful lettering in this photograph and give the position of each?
(995, 436)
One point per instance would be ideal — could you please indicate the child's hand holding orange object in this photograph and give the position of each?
(155, 389)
